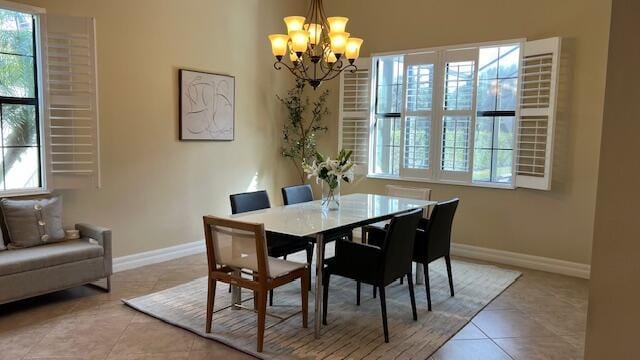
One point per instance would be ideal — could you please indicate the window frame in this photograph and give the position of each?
(434, 174)
(38, 101)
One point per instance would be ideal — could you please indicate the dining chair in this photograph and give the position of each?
(278, 245)
(398, 191)
(377, 266)
(297, 194)
(433, 241)
(236, 248)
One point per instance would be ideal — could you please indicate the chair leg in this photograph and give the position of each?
(309, 261)
(401, 280)
(447, 260)
(304, 285)
(230, 286)
(108, 284)
(211, 296)
(383, 306)
(270, 297)
(413, 296)
(374, 291)
(262, 313)
(426, 285)
(358, 293)
(325, 298)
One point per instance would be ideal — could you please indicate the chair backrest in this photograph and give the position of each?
(398, 245)
(438, 230)
(249, 201)
(297, 194)
(236, 244)
(410, 193)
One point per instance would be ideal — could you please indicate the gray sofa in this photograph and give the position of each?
(42, 269)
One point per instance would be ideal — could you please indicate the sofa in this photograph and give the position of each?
(57, 266)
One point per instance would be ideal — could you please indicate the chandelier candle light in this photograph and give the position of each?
(316, 45)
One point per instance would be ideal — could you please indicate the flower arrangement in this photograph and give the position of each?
(330, 172)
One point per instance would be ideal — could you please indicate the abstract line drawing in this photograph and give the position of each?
(207, 106)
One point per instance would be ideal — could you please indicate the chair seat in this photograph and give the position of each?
(279, 267)
(44, 256)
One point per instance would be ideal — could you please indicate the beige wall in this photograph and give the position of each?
(612, 325)
(155, 188)
(556, 224)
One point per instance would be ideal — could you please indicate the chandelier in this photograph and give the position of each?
(318, 47)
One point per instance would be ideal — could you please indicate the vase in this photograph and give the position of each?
(330, 196)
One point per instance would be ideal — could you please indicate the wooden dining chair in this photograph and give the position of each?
(278, 245)
(236, 248)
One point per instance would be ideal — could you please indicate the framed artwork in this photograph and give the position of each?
(207, 106)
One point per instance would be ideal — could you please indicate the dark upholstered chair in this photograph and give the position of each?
(377, 266)
(433, 241)
(297, 194)
(278, 245)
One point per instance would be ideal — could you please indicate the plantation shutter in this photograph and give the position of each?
(536, 121)
(71, 106)
(354, 114)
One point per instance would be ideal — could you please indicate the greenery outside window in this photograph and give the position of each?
(20, 140)
(446, 114)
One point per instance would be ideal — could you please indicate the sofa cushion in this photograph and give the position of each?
(33, 222)
(20, 260)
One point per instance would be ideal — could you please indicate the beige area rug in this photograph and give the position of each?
(353, 332)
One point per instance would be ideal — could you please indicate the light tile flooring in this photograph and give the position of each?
(541, 316)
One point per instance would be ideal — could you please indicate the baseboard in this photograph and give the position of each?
(526, 261)
(473, 252)
(156, 256)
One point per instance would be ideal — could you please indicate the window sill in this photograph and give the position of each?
(18, 193)
(444, 182)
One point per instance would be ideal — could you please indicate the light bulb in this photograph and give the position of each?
(337, 23)
(315, 33)
(338, 42)
(294, 23)
(299, 40)
(278, 44)
(330, 57)
(353, 48)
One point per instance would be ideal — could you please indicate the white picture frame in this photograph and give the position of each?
(207, 106)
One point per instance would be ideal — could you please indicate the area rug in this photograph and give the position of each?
(353, 332)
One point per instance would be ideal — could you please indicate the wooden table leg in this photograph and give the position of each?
(319, 267)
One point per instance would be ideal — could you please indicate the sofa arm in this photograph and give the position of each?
(103, 236)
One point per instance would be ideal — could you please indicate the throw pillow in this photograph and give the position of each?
(33, 222)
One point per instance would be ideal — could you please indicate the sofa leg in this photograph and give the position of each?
(108, 284)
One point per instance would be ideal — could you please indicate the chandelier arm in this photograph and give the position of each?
(279, 65)
(351, 68)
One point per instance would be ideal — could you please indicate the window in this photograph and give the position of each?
(20, 141)
(480, 114)
(388, 106)
(48, 101)
(447, 114)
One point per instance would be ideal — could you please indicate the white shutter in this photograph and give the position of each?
(354, 114)
(71, 106)
(537, 108)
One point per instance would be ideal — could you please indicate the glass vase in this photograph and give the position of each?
(330, 196)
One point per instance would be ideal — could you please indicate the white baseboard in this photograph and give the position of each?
(156, 256)
(522, 260)
(472, 252)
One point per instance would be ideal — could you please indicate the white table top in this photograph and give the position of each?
(308, 218)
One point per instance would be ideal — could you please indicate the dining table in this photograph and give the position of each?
(312, 219)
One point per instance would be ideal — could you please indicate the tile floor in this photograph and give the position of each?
(541, 316)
